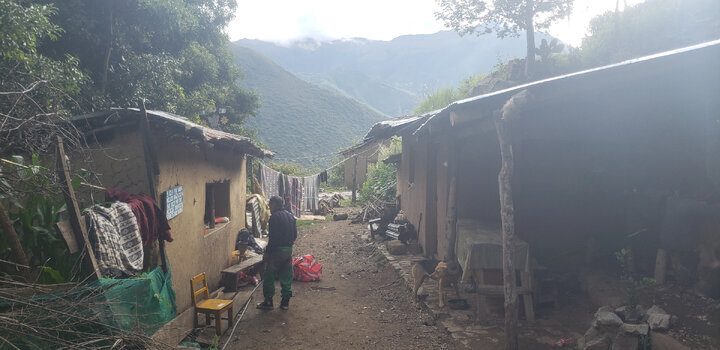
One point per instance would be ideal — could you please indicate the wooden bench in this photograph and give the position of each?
(230, 274)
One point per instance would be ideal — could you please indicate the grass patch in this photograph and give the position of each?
(304, 223)
(349, 203)
(333, 189)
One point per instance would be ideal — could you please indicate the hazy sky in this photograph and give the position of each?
(284, 20)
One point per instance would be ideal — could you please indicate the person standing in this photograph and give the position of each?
(278, 254)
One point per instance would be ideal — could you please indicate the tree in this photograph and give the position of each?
(173, 53)
(36, 97)
(505, 18)
(441, 98)
(36, 92)
(650, 27)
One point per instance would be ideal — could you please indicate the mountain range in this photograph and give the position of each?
(301, 122)
(391, 76)
(319, 96)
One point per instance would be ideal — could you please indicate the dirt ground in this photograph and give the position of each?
(360, 302)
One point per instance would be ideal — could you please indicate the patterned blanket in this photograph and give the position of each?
(115, 238)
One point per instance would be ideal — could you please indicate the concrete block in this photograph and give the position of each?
(396, 247)
(414, 248)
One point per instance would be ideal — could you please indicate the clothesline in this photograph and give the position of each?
(376, 151)
(317, 156)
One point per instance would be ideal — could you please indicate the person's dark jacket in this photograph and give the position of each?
(282, 230)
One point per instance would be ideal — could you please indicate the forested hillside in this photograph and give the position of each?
(650, 27)
(392, 76)
(301, 122)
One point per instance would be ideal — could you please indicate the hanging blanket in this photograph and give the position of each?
(311, 186)
(260, 212)
(292, 194)
(115, 239)
(297, 196)
(151, 219)
(269, 181)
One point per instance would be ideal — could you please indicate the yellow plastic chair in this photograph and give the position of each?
(209, 306)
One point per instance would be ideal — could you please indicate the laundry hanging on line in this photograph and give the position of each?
(299, 193)
(311, 186)
(269, 181)
(323, 176)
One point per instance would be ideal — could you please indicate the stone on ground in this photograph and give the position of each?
(659, 341)
(607, 318)
(636, 329)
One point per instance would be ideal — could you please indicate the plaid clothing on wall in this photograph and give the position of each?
(115, 239)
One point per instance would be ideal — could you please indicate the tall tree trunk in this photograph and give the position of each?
(451, 226)
(530, 40)
(354, 184)
(13, 241)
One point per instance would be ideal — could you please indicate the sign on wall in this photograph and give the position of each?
(173, 202)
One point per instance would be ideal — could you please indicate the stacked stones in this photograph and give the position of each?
(622, 329)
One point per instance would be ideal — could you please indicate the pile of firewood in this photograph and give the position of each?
(326, 205)
(372, 209)
(63, 316)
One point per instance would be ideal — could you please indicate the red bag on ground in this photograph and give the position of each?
(306, 269)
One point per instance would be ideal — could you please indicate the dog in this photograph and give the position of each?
(445, 275)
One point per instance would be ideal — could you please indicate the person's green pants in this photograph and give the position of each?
(278, 264)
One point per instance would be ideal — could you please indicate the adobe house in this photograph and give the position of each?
(366, 155)
(209, 165)
(367, 152)
(596, 155)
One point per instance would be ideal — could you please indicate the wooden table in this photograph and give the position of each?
(478, 248)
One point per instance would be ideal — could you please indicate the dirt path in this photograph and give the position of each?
(360, 304)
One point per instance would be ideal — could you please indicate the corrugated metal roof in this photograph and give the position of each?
(224, 140)
(388, 128)
(496, 99)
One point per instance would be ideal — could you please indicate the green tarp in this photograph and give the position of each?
(103, 308)
(145, 302)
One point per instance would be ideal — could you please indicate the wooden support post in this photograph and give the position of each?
(660, 266)
(152, 170)
(13, 241)
(249, 170)
(508, 230)
(526, 284)
(90, 263)
(451, 228)
(482, 307)
(210, 196)
(354, 186)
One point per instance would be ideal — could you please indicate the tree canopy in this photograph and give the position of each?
(503, 17)
(646, 28)
(36, 91)
(650, 27)
(173, 53)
